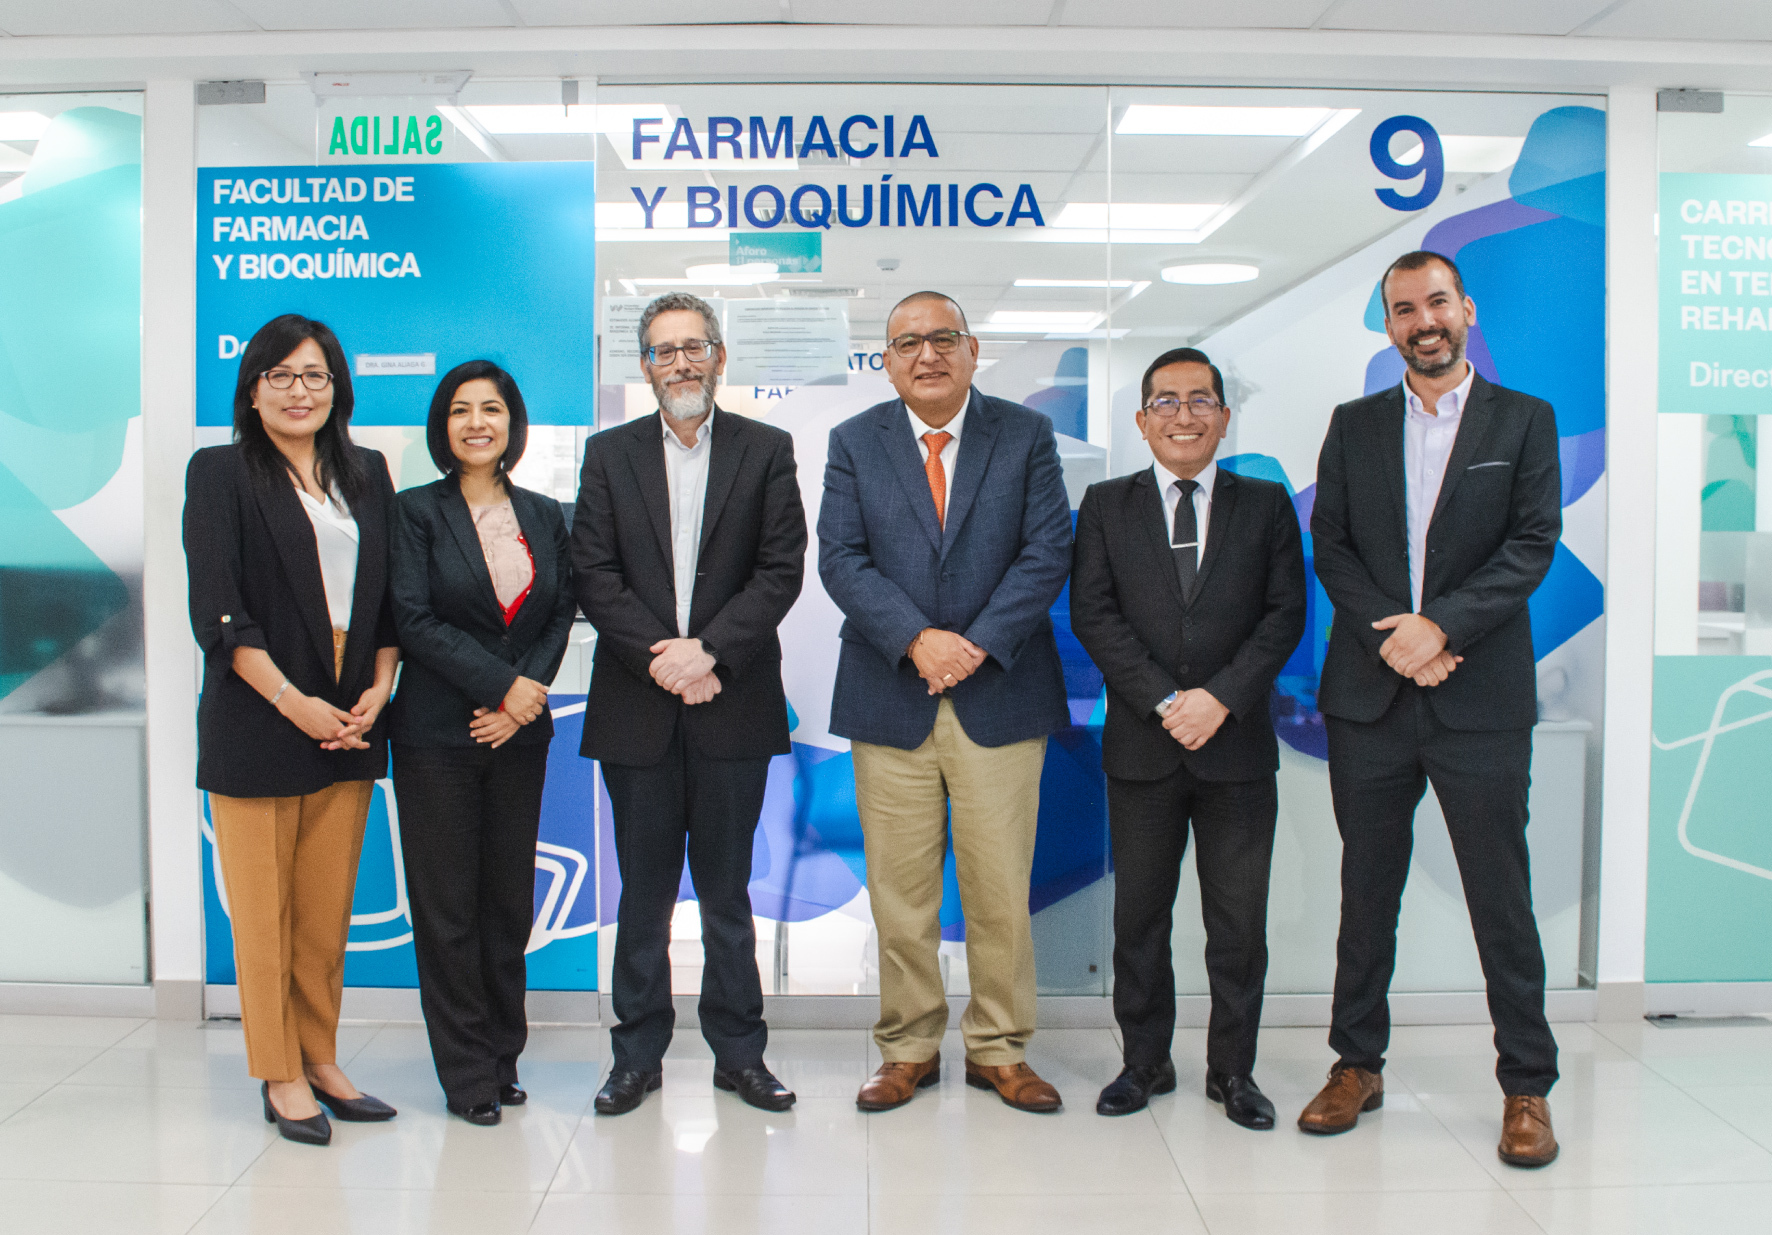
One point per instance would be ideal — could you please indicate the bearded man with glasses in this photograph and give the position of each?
(1188, 592)
(688, 549)
(944, 537)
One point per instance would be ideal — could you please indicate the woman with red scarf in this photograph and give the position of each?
(481, 582)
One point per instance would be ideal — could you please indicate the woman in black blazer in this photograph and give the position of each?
(286, 538)
(482, 589)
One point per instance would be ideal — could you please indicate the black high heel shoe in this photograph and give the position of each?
(359, 1110)
(315, 1130)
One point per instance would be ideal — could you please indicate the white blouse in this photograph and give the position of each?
(335, 535)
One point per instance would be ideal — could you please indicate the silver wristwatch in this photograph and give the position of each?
(1167, 702)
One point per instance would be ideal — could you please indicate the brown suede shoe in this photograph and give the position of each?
(1526, 1136)
(1017, 1084)
(1337, 1106)
(897, 1083)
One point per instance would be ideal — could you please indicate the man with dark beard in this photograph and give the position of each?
(688, 548)
(1437, 514)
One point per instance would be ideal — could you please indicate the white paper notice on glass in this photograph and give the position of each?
(621, 343)
(787, 342)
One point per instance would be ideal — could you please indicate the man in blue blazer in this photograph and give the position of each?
(945, 538)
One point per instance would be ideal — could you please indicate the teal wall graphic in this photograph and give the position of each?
(1710, 826)
(70, 378)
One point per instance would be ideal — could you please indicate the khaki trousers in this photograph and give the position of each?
(903, 797)
(290, 869)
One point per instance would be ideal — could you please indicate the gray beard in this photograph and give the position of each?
(692, 405)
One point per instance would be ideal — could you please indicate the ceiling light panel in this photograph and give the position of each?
(1073, 282)
(22, 126)
(1211, 274)
(1166, 119)
(1484, 155)
(1136, 216)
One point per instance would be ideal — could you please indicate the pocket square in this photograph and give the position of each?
(1496, 463)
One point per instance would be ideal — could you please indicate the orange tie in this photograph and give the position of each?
(938, 479)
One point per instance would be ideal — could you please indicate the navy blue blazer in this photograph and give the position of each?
(459, 653)
(991, 574)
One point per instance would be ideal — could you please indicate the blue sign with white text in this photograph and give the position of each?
(416, 268)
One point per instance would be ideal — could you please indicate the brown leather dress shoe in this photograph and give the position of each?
(1017, 1084)
(1526, 1136)
(1337, 1106)
(897, 1083)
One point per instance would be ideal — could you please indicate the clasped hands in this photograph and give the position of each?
(1194, 717)
(685, 668)
(1416, 648)
(333, 727)
(944, 659)
(523, 702)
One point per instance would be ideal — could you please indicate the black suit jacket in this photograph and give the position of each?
(1491, 540)
(459, 654)
(1232, 637)
(255, 582)
(748, 574)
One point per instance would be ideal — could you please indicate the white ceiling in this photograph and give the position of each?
(1732, 20)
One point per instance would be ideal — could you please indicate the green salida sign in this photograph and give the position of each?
(380, 136)
(1716, 294)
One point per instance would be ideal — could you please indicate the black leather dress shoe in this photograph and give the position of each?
(756, 1086)
(1244, 1103)
(314, 1130)
(625, 1090)
(511, 1095)
(485, 1114)
(362, 1109)
(1132, 1089)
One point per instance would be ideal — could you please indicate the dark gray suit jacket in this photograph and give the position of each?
(1493, 534)
(747, 577)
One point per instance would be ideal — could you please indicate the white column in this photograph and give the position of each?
(1631, 442)
(169, 207)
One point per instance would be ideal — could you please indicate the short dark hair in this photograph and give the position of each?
(1418, 260)
(678, 302)
(918, 297)
(335, 458)
(437, 422)
(1180, 355)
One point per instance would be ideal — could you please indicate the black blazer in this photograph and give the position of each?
(753, 557)
(1491, 540)
(459, 654)
(1233, 638)
(255, 582)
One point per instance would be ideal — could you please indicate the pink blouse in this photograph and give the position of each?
(508, 559)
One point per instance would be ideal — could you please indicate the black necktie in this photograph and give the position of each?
(1184, 541)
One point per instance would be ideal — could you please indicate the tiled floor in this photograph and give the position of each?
(132, 1126)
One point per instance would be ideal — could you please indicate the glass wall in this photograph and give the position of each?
(1710, 852)
(72, 844)
(1084, 230)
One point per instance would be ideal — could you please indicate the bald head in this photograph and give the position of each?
(917, 298)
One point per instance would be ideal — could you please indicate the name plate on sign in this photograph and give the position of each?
(419, 364)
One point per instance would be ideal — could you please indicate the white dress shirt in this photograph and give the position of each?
(1427, 445)
(335, 536)
(1167, 485)
(686, 476)
(949, 453)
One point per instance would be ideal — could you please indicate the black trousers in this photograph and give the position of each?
(712, 805)
(1233, 826)
(1377, 775)
(468, 822)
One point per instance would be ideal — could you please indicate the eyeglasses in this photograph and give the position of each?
(943, 341)
(1168, 405)
(313, 379)
(696, 350)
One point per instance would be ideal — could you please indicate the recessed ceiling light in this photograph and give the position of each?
(22, 126)
(1185, 121)
(629, 217)
(1028, 321)
(1762, 141)
(1073, 283)
(1211, 273)
(1136, 216)
(751, 272)
(616, 119)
